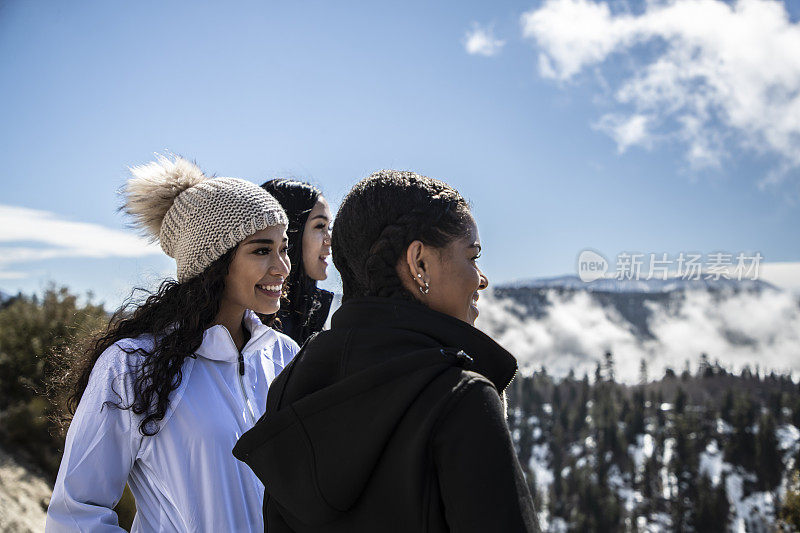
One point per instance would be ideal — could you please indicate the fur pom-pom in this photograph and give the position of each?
(153, 188)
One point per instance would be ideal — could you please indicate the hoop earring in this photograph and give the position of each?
(427, 288)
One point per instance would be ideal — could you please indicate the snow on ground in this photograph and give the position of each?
(539, 465)
(723, 428)
(750, 513)
(630, 498)
(668, 480)
(558, 525)
(711, 463)
(661, 522)
(789, 443)
(575, 449)
(641, 451)
(788, 436)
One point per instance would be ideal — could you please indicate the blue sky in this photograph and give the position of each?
(569, 124)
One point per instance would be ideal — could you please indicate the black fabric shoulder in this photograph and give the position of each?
(480, 479)
(468, 381)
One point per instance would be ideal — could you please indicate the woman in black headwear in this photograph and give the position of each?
(306, 307)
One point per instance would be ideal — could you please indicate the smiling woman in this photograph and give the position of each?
(403, 426)
(255, 278)
(306, 307)
(173, 382)
(448, 278)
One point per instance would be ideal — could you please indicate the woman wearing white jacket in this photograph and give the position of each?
(160, 398)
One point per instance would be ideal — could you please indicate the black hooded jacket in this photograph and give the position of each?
(390, 421)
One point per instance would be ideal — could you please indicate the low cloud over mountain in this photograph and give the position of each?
(562, 324)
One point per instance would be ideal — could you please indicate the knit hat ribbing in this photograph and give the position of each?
(196, 219)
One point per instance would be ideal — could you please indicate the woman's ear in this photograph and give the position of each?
(413, 270)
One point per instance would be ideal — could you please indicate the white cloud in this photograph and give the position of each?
(783, 275)
(715, 75)
(29, 235)
(741, 329)
(481, 41)
(10, 274)
(626, 130)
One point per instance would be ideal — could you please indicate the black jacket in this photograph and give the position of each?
(390, 421)
(299, 326)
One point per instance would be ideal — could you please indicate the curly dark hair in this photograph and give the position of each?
(380, 217)
(176, 315)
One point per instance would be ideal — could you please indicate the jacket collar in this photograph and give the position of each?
(218, 344)
(489, 358)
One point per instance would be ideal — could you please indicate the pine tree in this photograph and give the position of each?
(705, 507)
(740, 448)
(769, 466)
(643, 372)
(687, 371)
(608, 367)
(726, 408)
(680, 401)
(705, 370)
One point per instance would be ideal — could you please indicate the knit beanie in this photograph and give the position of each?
(195, 218)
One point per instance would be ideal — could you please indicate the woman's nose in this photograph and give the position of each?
(484, 282)
(282, 266)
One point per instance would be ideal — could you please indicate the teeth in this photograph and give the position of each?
(270, 287)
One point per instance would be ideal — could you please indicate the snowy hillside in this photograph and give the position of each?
(709, 451)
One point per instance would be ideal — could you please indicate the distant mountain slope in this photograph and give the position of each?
(572, 282)
(564, 323)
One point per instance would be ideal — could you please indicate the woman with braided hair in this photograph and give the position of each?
(306, 306)
(160, 397)
(392, 420)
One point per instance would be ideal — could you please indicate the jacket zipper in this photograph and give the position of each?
(244, 391)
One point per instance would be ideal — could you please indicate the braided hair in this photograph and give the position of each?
(380, 217)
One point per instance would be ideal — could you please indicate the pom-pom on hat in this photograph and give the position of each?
(195, 218)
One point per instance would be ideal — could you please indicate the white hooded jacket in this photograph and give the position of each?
(184, 478)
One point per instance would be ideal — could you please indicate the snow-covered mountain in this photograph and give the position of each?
(563, 323)
(655, 285)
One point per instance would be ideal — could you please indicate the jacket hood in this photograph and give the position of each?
(315, 451)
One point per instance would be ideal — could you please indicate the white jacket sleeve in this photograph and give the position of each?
(101, 446)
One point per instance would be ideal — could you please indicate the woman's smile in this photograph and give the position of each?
(271, 291)
(317, 241)
(474, 305)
